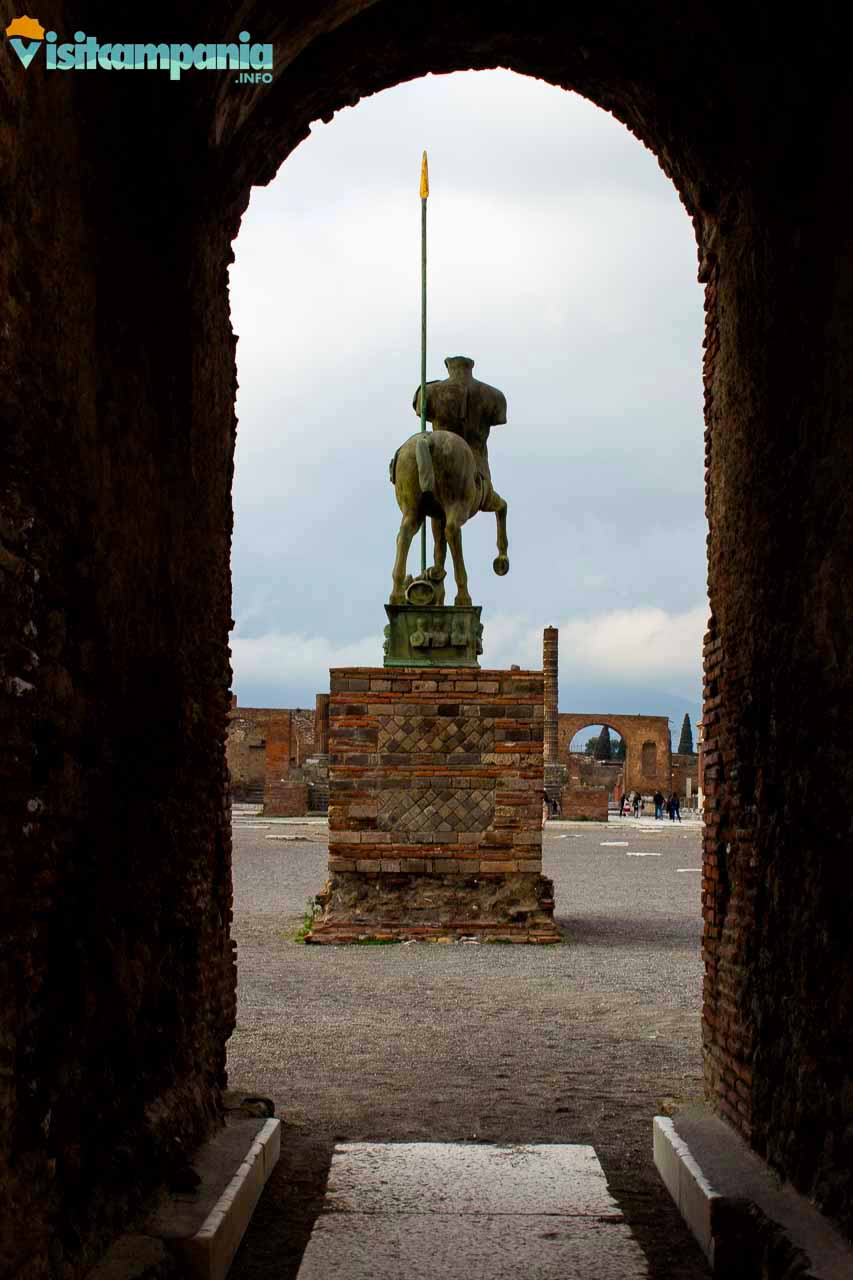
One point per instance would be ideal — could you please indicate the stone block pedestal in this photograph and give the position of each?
(435, 806)
(285, 799)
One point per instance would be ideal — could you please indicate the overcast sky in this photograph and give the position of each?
(562, 261)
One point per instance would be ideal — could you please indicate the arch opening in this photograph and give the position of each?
(123, 574)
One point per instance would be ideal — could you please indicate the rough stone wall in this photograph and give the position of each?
(303, 735)
(584, 771)
(245, 751)
(636, 732)
(683, 767)
(550, 664)
(321, 724)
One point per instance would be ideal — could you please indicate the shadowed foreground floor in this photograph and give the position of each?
(579, 1043)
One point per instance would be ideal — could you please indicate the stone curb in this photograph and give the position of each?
(744, 1220)
(209, 1253)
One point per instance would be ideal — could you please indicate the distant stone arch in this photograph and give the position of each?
(637, 732)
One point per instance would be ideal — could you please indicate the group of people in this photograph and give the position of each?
(634, 803)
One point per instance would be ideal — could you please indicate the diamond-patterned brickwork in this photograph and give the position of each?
(422, 810)
(444, 734)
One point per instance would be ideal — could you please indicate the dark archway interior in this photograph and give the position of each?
(121, 195)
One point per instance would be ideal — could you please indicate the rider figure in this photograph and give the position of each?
(467, 407)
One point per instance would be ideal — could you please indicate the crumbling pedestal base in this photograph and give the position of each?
(358, 907)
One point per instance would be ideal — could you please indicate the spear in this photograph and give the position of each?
(424, 197)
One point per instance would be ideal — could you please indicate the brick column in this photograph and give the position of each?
(321, 725)
(550, 667)
(283, 797)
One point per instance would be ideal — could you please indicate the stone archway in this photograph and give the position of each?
(121, 196)
(636, 732)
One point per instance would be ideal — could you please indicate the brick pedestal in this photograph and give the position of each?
(435, 806)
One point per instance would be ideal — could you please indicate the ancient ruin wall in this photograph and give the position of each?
(245, 746)
(117, 972)
(778, 1018)
(584, 804)
(685, 766)
(645, 770)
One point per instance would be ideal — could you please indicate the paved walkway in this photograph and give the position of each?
(507, 1046)
(469, 1212)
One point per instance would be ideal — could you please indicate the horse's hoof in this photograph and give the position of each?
(397, 597)
(501, 565)
(462, 601)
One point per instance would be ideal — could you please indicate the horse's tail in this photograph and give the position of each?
(423, 456)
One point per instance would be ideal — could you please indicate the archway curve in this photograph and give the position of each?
(633, 64)
(598, 724)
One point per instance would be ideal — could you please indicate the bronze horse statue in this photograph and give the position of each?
(444, 474)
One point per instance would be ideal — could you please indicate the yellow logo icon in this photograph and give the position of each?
(25, 28)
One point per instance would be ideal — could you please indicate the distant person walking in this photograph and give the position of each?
(636, 804)
(658, 799)
(674, 808)
(544, 809)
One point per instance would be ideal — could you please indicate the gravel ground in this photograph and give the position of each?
(582, 1042)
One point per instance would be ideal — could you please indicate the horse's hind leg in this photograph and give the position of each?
(453, 531)
(437, 573)
(409, 526)
(496, 503)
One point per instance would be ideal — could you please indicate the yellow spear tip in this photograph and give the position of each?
(424, 178)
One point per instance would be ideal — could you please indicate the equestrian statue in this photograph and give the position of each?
(444, 474)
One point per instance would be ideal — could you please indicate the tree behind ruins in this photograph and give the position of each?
(685, 743)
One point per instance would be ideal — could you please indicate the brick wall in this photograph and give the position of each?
(584, 803)
(466, 747)
(285, 794)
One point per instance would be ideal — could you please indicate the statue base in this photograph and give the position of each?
(435, 807)
(433, 635)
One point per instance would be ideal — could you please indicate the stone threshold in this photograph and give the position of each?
(463, 1211)
(745, 1220)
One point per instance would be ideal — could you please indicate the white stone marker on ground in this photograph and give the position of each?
(462, 1211)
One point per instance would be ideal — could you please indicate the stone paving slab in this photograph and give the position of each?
(440, 1177)
(464, 1211)
(469, 1247)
